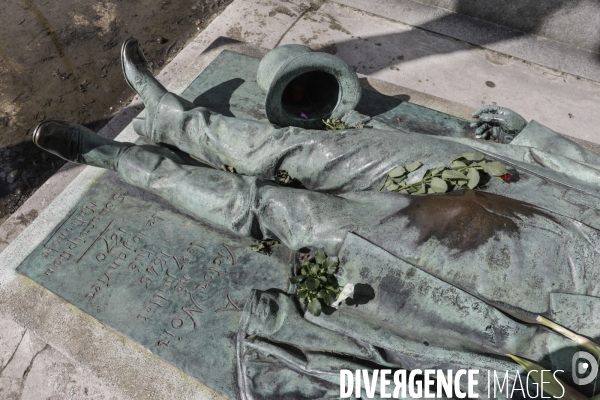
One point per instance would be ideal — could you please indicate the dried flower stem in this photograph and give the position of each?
(580, 340)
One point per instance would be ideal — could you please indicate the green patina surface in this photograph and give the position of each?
(161, 278)
(164, 279)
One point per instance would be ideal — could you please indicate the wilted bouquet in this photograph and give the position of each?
(465, 170)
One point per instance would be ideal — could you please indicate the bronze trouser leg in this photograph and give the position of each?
(252, 207)
(330, 161)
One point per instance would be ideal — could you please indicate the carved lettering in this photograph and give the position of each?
(219, 273)
(191, 248)
(176, 322)
(189, 311)
(158, 295)
(230, 250)
(168, 274)
(94, 242)
(102, 239)
(231, 306)
(145, 280)
(152, 220)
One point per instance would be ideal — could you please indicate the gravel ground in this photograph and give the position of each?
(60, 60)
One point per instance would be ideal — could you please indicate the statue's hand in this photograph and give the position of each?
(498, 122)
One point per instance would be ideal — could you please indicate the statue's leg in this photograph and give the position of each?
(335, 162)
(245, 205)
(330, 161)
(252, 207)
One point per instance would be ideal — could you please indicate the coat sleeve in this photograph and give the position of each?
(543, 138)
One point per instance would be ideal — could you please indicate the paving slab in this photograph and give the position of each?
(30, 369)
(566, 48)
(571, 22)
(10, 338)
(53, 375)
(451, 69)
(262, 23)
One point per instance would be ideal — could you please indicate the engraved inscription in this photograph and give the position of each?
(95, 238)
(231, 306)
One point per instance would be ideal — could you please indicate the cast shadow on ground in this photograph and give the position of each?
(511, 21)
(218, 98)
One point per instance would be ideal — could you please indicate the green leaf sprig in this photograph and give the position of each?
(228, 168)
(465, 170)
(317, 285)
(334, 124)
(264, 246)
(282, 177)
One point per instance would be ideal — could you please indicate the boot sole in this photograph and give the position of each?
(36, 131)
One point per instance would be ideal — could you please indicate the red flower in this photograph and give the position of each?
(505, 177)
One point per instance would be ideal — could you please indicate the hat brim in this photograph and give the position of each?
(349, 92)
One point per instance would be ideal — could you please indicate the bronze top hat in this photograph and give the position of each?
(304, 87)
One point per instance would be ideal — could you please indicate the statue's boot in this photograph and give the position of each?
(79, 144)
(138, 73)
(139, 77)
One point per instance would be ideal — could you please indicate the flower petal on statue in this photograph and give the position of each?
(347, 291)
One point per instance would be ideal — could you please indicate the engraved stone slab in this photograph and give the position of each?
(166, 280)
(161, 278)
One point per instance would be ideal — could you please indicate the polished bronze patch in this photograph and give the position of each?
(466, 219)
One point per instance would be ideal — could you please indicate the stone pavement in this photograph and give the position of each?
(31, 369)
(50, 349)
